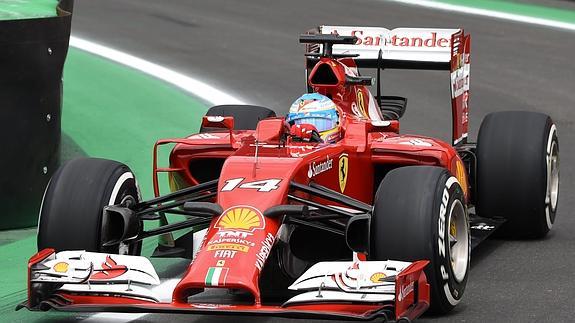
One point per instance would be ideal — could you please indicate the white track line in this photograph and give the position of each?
(163, 291)
(489, 13)
(186, 83)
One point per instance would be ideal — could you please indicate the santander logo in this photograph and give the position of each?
(433, 40)
(319, 167)
(399, 38)
(405, 290)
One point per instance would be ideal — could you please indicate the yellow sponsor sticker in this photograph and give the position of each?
(377, 277)
(61, 267)
(228, 246)
(241, 218)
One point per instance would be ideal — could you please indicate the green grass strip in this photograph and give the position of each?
(110, 111)
(531, 10)
(26, 9)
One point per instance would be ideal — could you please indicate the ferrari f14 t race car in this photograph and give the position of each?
(327, 212)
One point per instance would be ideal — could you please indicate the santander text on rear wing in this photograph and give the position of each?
(412, 48)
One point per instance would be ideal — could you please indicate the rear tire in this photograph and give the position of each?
(71, 215)
(420, 214)
(518, 172)
(246, 117)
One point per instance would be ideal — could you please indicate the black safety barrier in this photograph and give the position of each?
(32, 55)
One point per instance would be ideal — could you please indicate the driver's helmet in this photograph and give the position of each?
(319, 111)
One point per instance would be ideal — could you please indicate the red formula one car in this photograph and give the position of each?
(278, 220)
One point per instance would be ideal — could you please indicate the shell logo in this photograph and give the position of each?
(243, 218)
(377, 277)
(61, 267)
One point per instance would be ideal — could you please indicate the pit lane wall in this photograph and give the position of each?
(33, 48)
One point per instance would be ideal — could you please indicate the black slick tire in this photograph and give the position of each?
(517, 168)
(413, 209)
(71, 214)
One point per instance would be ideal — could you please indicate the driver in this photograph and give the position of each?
(313, 112)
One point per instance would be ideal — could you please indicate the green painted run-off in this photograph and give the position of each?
(518, 8)
(114, 112)
(26, 9)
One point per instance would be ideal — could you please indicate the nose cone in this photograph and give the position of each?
(233, 253)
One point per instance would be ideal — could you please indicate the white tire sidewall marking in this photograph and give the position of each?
(446, 289)
(42, 206)
(121, 180)
(450, 182)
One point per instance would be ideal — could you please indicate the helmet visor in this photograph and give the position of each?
(323, 121)
(321, 124)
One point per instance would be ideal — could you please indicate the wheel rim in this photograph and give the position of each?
(458, 232)
(553, 171)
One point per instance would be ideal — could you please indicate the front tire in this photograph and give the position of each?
(71, 215)
(420, 214)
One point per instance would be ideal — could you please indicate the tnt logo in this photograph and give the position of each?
(225, 253)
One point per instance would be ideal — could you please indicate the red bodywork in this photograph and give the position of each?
(364, 147)
(255, 169)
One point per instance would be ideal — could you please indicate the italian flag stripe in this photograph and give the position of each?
(216, 276)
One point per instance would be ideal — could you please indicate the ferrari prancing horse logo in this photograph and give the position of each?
(342, 170)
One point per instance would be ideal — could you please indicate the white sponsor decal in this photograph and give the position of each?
(265, 185)
(483, 227)
(225, 254)
(298, 151)
(215, 118)
(233, 234)
(416, 142)
(265, 250)
(441, 230)
(380, 123)
(460, 79)
(203, 136)
(320, 167)
(404, 291)
(228, 236)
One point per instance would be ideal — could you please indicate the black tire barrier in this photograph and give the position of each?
(32, 55)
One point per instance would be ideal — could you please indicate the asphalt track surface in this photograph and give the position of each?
(250, 48)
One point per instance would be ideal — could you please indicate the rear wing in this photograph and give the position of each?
(409, 48)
